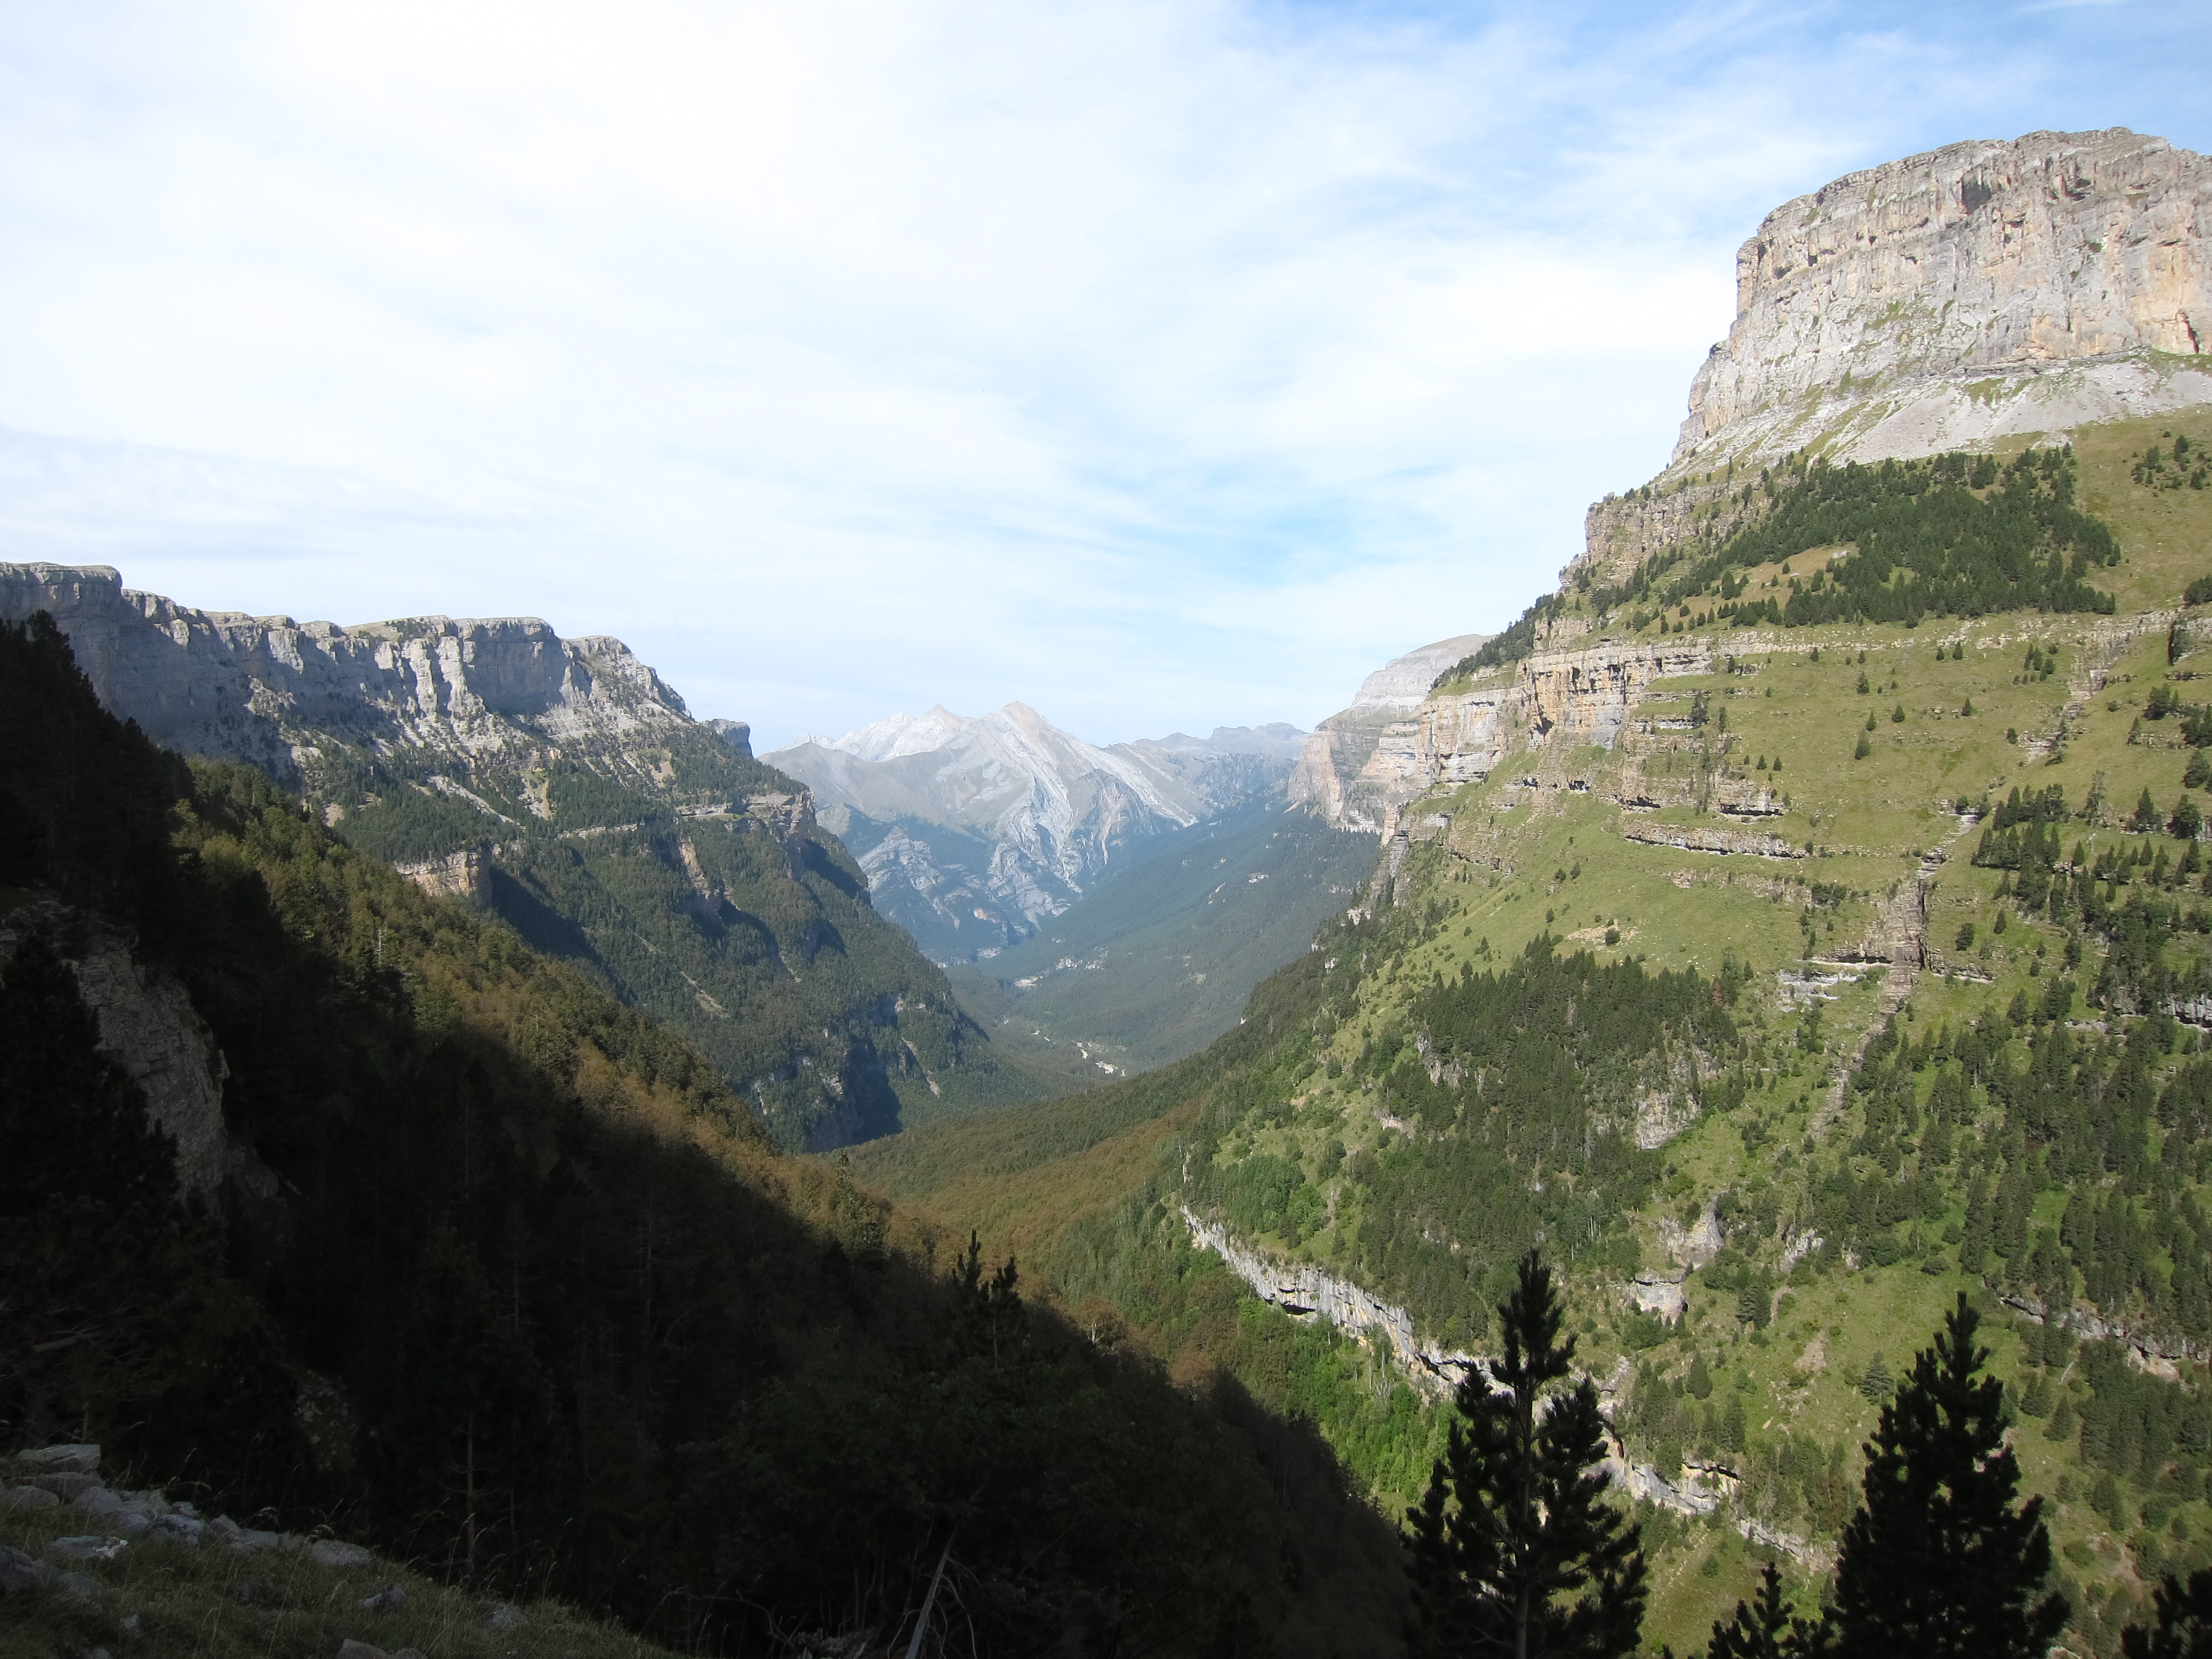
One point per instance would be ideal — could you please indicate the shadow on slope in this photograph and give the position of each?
(503, 1277)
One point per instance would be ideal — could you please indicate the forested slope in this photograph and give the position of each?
(498, 1275)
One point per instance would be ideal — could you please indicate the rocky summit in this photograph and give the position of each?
(1977, 294)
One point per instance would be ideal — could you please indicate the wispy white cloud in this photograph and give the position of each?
(1157, 363)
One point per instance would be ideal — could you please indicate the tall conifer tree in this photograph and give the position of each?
(1515, 1550)
(1938, 1562)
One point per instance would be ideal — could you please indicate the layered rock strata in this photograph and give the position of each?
(1982, 291)
(260, 688)
(1331, 774)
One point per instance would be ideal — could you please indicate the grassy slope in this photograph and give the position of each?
(1871, 821)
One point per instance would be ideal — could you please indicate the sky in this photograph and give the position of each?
(1160, 364)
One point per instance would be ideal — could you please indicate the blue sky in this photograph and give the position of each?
(1160, 365)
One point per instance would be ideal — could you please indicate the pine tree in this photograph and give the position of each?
(1938, 1563)
(2184, 1630)
(1513, 1549)
(1766, 1631)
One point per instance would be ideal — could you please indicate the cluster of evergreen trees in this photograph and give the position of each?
(1515, 1548)
(1927, 540)
(1518, 1088)
(2184, 466)
(1951, 535)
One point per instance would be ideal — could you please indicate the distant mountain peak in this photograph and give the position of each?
(975, 828)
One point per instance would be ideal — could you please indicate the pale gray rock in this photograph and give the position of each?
(115, 1511)
(388, 1600)
(1659, 1293)
(67, 1487)
(735, 733)
(974, 831)
(28, 1498)
(350, 1649)
(1897, 287)
(181, 1527)
(258, 689)
(1332, 771)
(332, 1553)
(18, 1571)
(503, 1616)
(80, 1587)
(1982, 291)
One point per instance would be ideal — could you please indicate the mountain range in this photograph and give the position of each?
(976, 829)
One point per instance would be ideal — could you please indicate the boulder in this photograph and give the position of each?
(182, 1528)
(28, 1497)
(55, 1460)
(388, 1600)
(332, 1553)
(18, 1572)
(350, 1649)
(67, 1487)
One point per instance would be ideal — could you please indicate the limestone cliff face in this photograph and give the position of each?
(149, 1027)
(1331, 768)
(1979, 291)
(563, 785)
(1979, 261)
(259, 688)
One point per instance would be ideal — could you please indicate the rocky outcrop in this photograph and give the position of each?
(1549, 704)
(1331, 773)
(1305, 1291)
(149, 1027)
(1984, 290)
(563, 784)
(1980, 264)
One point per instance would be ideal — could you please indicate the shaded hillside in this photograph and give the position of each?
(1159, 958)
(561, 786)
(490, 1269)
